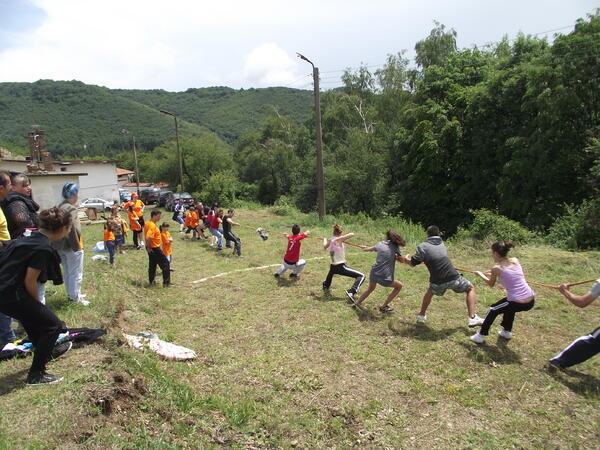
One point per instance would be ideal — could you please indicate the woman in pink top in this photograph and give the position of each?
(520, 297)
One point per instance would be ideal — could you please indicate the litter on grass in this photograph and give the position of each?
(162, 348)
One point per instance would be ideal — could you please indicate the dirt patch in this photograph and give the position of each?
(119, 395)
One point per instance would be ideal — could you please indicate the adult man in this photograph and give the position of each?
(584, 347)
(155, 254)
(19, 207)
(442, 275)
(6, 332)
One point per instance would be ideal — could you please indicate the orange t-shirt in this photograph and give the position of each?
(108, 235)
(138, 207)
(133, 221)
(152, 232)
(166, 243)
(192, 219)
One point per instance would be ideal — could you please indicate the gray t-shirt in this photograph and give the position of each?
(383, 268)
(595, 291)
(433, 253)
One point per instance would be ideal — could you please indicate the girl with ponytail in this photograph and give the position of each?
(520, 296)
(382, 271)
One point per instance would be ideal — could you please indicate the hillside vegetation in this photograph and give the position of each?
(283, 364)
(75, 114)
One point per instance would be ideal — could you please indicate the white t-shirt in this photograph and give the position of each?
(595, 291)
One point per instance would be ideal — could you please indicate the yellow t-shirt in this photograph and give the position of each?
(4, 234)
(152, 233)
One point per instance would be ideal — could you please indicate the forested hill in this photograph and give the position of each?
(85, 120)
(228, 112)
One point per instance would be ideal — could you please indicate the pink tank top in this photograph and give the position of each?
(513, 279)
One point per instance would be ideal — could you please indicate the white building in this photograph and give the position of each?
(96, 178)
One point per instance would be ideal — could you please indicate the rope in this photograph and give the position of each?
(549, 286)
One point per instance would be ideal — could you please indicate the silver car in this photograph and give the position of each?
(98, 204)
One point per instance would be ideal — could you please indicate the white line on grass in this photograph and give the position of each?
(202, 280)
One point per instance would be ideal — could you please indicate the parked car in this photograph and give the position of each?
(186, 198)
(149, 195)
(163, 196)
(98, 204)
(124, 195)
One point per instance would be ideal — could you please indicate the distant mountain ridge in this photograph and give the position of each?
(86, 120)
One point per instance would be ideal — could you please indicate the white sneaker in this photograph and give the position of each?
(505, 334)
(420, 318)
(81, 302)
(475, 321)
(477, 338)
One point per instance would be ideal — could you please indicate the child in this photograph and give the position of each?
(136, 228)
(166, 241)
(229, 236)
(382, 271)
(178, 211)
(520, 296)
(291, 259)
(109, 243)
(338, 266)
(117, 226)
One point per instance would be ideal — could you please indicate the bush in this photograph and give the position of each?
(578, 228)
(284, 206)
(488, 225)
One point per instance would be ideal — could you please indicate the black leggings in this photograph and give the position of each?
(508, 310)
(157, 258)
(581, 349)
(41, 324)
(341, 269)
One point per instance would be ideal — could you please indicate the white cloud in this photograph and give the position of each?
(269, 65)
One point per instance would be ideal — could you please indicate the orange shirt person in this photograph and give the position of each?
(134, 225)
(109, 243)
(138, 207)
(166, 241)
(192, 221)
(156, 257)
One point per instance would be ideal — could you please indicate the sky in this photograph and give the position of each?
(180, 44)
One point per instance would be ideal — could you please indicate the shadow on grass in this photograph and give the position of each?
(12, 382)
(327, 297)
(420, 331)
(286, 281)
(578, 382)
(499, 353)
(368, 315)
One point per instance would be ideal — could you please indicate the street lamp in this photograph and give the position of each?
(178, 149)
(319, 143)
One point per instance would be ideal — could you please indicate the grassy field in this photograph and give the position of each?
(283, 364)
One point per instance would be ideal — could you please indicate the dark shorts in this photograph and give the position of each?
(120, 240)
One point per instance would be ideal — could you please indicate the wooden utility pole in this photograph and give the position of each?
(168, 113)
(137, 169)
(318, 138)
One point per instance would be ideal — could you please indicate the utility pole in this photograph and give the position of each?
(319, 139)
(137, 170)
(178, 148)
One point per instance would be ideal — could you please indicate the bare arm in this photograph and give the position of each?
(31, 283)
(489, 277)
(325, 243)
(368, 249)
(581, 301)
(345, 237)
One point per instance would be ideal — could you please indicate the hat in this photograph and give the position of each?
(134, 194)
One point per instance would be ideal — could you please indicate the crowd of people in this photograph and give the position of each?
(37, 247)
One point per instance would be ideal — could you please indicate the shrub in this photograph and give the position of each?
(284, 206)
(578, 228)
(488, 225)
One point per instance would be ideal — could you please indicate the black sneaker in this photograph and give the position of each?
(276, 275)
(553, 366)
(386, 309)
(293, 275)
(325, 287)
(42, 378)
(168, 285)
(61, 349)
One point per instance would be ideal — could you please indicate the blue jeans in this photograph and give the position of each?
(6, 332)
(110, 246)
(219, 235)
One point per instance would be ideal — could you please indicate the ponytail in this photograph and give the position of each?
(394, 237)
(337, 230)
(502, 248)
(53, 219)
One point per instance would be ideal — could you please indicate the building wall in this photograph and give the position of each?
(101, 179)
(46, 189)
